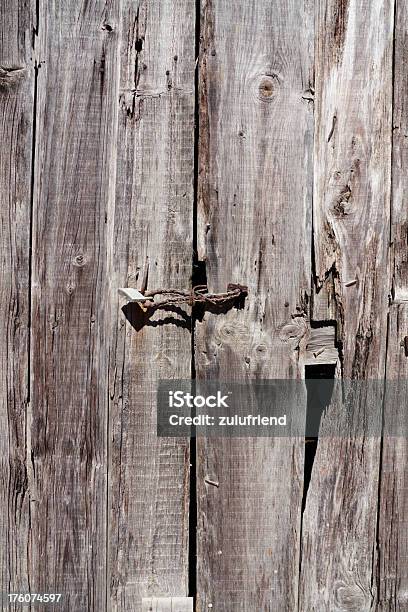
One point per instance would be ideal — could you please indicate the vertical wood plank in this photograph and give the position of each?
(393, 510)
(353, 112)
(393, 528)
(400, 156)
(254, 228)
(149, 477)
(17, 20)
(72, 220)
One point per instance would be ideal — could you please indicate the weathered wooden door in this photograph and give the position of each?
(161, 143)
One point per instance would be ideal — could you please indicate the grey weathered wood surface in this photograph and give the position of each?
(16, 128)
(393, 509)
(353, 126)
(256, 131)
(92, 503)
(149, 477)
(399, 259)
(72, 225)
(169, 604)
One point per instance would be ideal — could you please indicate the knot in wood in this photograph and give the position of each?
(79, 260)
(293, 332)
(233, 332)
(351, 597)
(268, 86)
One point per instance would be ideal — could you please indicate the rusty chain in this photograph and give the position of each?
(198, 295)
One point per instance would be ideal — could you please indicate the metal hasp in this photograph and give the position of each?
(132, 295)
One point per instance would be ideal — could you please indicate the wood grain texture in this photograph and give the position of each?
(72, 227)
(169, 604)
(354, 43)
(400, 156)
(149, 477)
(97, 135)
(256, 124)
(393, 510)
(352, 173)
(392, 538)
(17, 20)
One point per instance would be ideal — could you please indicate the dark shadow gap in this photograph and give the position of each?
(318, 399)
(199, 272)
(30, 238)
(29, 453)
(198, 277)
